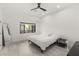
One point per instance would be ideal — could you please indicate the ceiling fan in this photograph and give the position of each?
(39, 7)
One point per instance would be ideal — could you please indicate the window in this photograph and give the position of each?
(27, 27)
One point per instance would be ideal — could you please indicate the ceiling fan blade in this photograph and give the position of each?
(43, 9)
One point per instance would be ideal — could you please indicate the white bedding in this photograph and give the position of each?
(43, 41)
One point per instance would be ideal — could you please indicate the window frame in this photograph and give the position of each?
(34, 30)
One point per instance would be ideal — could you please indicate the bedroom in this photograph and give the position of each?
(60, 20)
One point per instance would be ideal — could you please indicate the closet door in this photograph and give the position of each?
(0, 34)
(1, 20)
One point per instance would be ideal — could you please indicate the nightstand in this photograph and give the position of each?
(62, 42)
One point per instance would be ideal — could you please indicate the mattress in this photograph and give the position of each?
(43, 41)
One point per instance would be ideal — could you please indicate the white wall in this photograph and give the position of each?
(65, 23)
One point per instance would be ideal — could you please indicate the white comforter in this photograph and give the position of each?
(43, 41)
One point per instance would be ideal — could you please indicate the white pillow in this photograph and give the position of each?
(50, 34)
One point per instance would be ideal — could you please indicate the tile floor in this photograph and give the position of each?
(23, 48)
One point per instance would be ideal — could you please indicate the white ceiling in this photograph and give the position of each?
(24, 8)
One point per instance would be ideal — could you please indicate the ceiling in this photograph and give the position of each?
(24, 8)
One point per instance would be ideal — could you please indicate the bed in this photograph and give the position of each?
(43, 41)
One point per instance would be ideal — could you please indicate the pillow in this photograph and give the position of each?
(50, 34)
